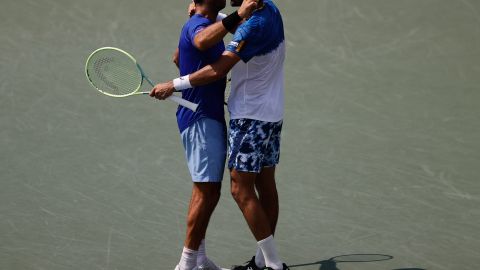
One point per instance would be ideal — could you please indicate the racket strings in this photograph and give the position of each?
(114, 73)
(98, 65)
(116, 76)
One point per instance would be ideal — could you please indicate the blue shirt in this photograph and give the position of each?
(209, 97)
(261, 34)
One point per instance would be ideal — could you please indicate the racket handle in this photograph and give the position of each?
(185, 103)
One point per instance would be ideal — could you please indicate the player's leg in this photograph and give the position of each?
(205, 147)
(247, 140)
(268, 195)
(266, 185)
(204, 199)
(243, 191)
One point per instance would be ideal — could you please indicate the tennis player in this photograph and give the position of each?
(256, 111)
(203, 132)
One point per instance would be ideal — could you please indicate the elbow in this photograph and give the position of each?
(201, 45)
(219, 74)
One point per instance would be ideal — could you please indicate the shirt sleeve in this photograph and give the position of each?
(246, 42)
(195, 30)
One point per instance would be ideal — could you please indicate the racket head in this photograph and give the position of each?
(113, 72)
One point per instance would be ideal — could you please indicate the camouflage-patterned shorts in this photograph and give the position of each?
(253, 144)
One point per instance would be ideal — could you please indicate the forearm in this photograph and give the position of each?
(215, 71)
(206, 75)
(215, 33)
(209, 73)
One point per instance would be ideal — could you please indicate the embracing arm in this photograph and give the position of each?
(215, 71)
(210, 36)
(206, 75)
(215, 33)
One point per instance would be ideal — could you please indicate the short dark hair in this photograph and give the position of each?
(198, 1)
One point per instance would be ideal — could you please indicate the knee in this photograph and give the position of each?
(235, 191)
(207, 194)
(241, 195)
(214, 195)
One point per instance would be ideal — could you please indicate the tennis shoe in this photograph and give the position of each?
(285, 267)
(250, 265)
(207, 265)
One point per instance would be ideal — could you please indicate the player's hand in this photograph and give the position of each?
(162, 91)
(191, 9)
(247, 8)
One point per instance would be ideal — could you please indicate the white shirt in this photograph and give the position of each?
(258, 87)
(258, 80)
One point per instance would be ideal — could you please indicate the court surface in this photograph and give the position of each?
(380, 155)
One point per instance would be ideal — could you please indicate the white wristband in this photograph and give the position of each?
(221, 16)
(182, 83)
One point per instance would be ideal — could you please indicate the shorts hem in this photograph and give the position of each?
(249, 117)
(244, 170)
(270, 166)
(209, 180)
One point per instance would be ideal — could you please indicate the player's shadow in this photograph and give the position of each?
(332, 263)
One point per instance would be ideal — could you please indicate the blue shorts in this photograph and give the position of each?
(253, 144)
(205, 143)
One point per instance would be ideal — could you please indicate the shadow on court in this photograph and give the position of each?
(331, 264)
(409, 269)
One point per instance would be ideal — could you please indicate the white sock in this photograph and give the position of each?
(202, 253)
(188, 260)
(259, 259)
(269, 251)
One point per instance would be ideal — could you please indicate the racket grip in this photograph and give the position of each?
(185, 103)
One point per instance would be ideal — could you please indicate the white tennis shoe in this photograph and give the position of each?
(208, 265)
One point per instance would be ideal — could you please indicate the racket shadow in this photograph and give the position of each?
(331, 264)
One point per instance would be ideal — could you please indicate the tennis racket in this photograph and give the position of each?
(116, 73)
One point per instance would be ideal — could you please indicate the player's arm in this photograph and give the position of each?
(175, 58)
(210, 36)
(215, 33)
(215, 71)
(206, 75)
